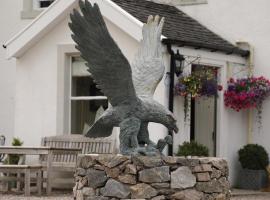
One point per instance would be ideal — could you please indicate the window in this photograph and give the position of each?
(32, 8)
(87, 102)
(41, 4)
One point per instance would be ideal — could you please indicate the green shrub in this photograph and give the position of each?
(17, 142)
(13, 159)
(192, 149)
(253, 156)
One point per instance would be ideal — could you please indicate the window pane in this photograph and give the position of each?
(84, 114)
(82, 81)
(45, 3)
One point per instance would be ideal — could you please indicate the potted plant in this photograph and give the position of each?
(14, 159)
(192, 149)
(254, 160)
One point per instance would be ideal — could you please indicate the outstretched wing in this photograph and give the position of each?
(109, 67)
(148, 67)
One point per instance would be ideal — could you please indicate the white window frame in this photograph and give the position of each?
(189, 2)
(79, 98)
(181, 2)
(30, 9)
(36, 5)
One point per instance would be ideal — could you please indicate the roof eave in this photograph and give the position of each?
(210, 47)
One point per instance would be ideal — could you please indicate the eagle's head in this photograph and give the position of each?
(171, 123)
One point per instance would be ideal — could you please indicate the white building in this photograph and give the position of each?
(12, 20)
(52, 94)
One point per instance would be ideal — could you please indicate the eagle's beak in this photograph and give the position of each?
(175, 129)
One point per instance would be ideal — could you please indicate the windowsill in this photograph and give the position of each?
(30, 14)
(188, 2)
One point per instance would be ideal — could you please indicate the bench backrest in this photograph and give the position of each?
(2, 143)
(88, 145)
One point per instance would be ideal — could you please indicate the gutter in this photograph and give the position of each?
(171, 91)
(250, 63)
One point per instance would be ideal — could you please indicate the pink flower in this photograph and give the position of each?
(220, 87)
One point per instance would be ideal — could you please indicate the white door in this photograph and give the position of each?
(204, 123)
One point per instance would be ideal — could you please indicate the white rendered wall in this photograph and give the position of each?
(248, 21)
(10, 23)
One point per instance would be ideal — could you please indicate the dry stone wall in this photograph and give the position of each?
(104, 177)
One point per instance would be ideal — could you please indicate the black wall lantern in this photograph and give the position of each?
(178, 63)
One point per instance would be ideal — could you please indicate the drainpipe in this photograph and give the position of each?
(250, 63)
(171, 89)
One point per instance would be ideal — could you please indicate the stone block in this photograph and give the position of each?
(86, 161)
(142, 191)
(114, 188)
(112, 172)
(160, 185)
(80, 172)
(99, 167)
(162, 197)
(203, 177)
(83, 182)
(87, 191)
(171, 160)
(131, 169)
(127, 178)
(213, 186)
(147, 161)
(96, 178)
(155, 175)
(202, 168)
(97, 198)
(182, 178)
(189, 194)
(79, 195)
(216, 174)
(111, 160)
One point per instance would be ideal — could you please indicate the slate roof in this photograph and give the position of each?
(179, 28)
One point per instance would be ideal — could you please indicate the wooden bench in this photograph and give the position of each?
(26, 170)
(67, 162)
(88, 145)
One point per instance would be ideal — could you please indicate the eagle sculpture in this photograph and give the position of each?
(129, 88)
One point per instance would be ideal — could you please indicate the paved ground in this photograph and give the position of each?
(69, 197)
(60, 195)
(252, 197)
(57, 196)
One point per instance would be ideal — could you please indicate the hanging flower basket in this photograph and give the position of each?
(247, 93)
(201, 83)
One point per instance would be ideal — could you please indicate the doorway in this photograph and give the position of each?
(203, 114)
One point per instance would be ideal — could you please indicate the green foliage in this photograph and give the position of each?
(17, 142)
(253, 156)
(13, 159)
(192, 149)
